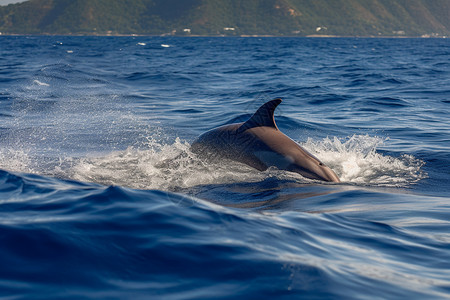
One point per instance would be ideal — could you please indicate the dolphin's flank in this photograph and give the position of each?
(260, 144)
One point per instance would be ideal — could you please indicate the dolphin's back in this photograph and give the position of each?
(254, 142)
(225, 142)
(260, 144)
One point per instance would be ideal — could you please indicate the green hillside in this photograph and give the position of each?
(229, 17)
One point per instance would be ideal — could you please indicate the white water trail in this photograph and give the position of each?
(163, 167)
(171, 167)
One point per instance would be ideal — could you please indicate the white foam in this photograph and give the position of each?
(171, 167)
(16, 160)
(164, 167)
(356, 160)
(40, 83)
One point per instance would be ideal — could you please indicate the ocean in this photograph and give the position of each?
(101, 197)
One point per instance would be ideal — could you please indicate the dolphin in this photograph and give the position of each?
(260, 144)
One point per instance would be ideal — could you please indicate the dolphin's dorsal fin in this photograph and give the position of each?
(262, 117)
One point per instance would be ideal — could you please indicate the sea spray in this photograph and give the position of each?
(173, 166)
(356, 160)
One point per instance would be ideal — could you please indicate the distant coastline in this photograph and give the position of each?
(274, 18)
(227, 36)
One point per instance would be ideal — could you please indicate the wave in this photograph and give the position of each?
(118, 241)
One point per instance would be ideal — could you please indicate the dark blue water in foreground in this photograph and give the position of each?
(100, 196)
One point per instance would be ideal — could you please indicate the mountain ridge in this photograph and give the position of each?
(230, 17)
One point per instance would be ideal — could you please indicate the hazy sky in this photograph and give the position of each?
(5, 2)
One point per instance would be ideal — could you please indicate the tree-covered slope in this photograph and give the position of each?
(230, 17)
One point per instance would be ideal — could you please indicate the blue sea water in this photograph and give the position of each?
(100, 196)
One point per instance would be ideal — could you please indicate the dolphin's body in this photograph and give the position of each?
(260, 144)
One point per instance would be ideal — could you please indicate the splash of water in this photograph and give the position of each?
(154, 164)
(16, 160)
(164, 167)
(356, 160)
(172, 167)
